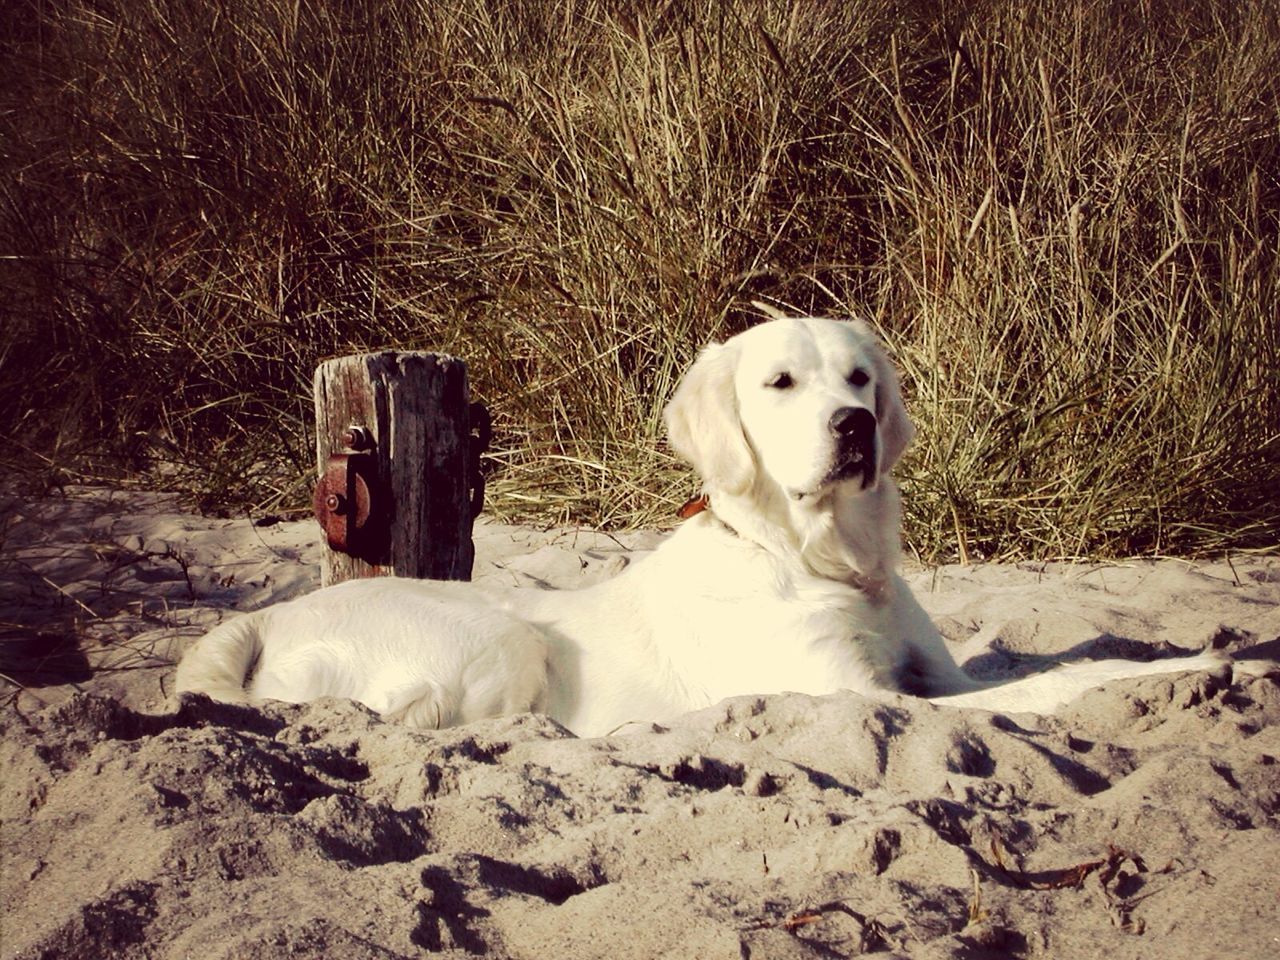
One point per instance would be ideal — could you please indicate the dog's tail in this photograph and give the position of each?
(219, 662)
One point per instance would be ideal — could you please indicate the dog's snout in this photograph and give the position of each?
(853, 423)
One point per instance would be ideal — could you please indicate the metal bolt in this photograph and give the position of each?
(358, 438)
(336, 503)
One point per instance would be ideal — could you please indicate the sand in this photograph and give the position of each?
(1140, 822)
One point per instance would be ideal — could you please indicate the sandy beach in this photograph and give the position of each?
(1140, 822)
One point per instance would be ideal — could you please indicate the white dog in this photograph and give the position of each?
(786, 581)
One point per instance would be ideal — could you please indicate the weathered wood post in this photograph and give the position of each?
(398, 444)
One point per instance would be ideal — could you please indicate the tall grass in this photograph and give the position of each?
(1064, 217)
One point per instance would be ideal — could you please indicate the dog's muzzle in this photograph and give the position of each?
(854, 431)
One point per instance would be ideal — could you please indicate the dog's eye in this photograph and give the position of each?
(780, 382)
(859, 377)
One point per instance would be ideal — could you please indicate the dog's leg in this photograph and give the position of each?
(1047, 692)
(482, 676)
(424, 706)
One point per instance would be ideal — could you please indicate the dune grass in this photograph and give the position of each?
(1065, 219)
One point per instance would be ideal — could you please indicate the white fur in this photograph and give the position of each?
(787, 582)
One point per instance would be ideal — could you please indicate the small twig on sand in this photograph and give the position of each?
(976, 913)
(874, 934)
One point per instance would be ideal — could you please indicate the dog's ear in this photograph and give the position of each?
(703, 423)
(896, 429)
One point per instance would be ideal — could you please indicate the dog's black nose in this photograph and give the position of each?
(853, 423)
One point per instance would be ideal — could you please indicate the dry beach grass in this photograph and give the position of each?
(1063, 216)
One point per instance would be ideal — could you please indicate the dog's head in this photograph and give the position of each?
(808, 403)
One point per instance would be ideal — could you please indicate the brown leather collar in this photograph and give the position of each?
(694, 506)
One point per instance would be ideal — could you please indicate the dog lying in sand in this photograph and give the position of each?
(786, 580)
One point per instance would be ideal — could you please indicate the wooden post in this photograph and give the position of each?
(396, 492)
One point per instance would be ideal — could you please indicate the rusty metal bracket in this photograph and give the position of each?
(480, 435)
(347, 500)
